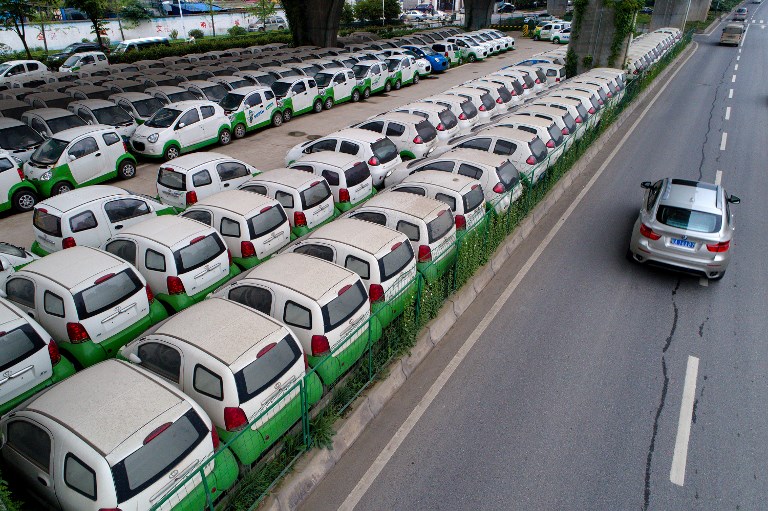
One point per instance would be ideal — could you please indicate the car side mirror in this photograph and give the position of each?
(180, 125)
(133, 357)
(71, 157)
(647, 185)
(734, 200)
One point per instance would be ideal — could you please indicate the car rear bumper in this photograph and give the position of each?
(644, 253)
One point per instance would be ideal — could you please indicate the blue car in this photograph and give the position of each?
(438, 62)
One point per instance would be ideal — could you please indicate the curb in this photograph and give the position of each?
(311, 469)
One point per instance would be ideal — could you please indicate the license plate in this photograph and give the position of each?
(683, 243)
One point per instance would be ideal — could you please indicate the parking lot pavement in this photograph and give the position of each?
(266, 149)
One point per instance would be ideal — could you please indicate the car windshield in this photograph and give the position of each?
(171, 179)
(281, 88)
(112, 116)
(324, 79)
(19, 344)
(63, 123)
(429, 51)
(426, 131)
(440, 226)
(341, 308)
(315, 195)
(71, 61)
(181, 96)
(266, 221)
(392, 64)
(63, 102)
(688, 219)
(215, 92)
(360, 70)
(19, 137)
(732, 30)
(107, 292)
(147, 107)
(49, 152)
(199, 252)
(385, 150)
(473, 198)
(163, 449)
(231, 101)
(272, 362)
(163, 118)
(393, 263)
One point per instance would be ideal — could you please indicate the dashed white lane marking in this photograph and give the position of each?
(727, 113)
(723, 141)
(761, 21)
(733, 79)
(703, 281)
(718, 177)
(730, 94)
(736, 67)
(680, 456)
(738, 57)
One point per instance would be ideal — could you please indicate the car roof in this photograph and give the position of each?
(240, 202)
(366, 236)
(475, 156)
(93, 103)
(49, 113)
(49, 95)
(317, 277)
(526, 119)
(114, 413)
(80, 196)
(131, 96)
(512, 133)
(688, 194)
(87, 88)
(401, 116)
(289, 177)
(8, 313)
(73, 266)
(167, 230)
(357, 134)
(409, 203)
(449, 180)
(190, 161)
(181, 105)
(542, 109)
(228, 330)
(10, 122)
(341, 160)
(70, 134)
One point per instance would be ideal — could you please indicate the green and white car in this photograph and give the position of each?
(15, 191)
(403, 69)
(297, 95)
(338, 85)
(181, 128)
(251, 108)
(375, 73)
(76, 157)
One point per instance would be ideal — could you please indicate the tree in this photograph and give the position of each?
(313, 23)
(44, 15)
(130, 13)
(15, 14)
(371, 10)
(262, 10)
(347, 14)
(210, 12)
(95, 10)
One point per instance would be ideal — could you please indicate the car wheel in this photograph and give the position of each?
(62, 187)
(367, 93)
(328, 104)
(416, 78)
(277, 119)
(24, 200)
(471, 58)
(171, 153)
(630, 256)
(225, 137)
(239, 131)
(355, 96)
(127, 170)
(261, 29)
(556, 40)
(387, 86)
(287, 115)
(398, 84)
(318, 106)
(535, 37)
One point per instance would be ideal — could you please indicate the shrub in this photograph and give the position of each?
(237, 31)
(174, 34)
(196, 33)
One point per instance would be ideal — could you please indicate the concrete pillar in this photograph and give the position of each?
(594, 38)
(477, 13)
(557, 8)
(674, 13)
(699, 10)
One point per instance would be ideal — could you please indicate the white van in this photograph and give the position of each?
(85, 62)
(349, 178)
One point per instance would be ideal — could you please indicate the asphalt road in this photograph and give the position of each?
(571, 397)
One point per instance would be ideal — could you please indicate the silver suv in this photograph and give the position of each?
(684, 225)
(271, 23)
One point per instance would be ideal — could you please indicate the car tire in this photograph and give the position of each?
(262, 29)
(328, 104)
(24, 200)
(277, 119)
(61, 187)
(416, 78)
(355, 96)
(239, 131)
(387, 86)
(535, 37)
(287, 115)
(398, 84)
(472, 58)
(317, 107)
(171, 153)
(225, 137)
(127, 169)
(556, 40)
(367, 93)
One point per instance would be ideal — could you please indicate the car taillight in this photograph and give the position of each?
(551, 144)
(229, 257)
(156, 432)
(299, 219)
(418, 140)
(373, 161)
(723, 246)
(531, 160)
(525, 86)
(462, 116)
(482, 108)
(375, 293)
(446, 54)
(648, 232)
(68, 242)
(499, 100)
(53, 352)
(247, 249)
(306, 362)
(565, 131)
(499, 188)
(591, 110)
(191, 198)
(234, 418)
(21, 173)
(215, 437)
(175, 285)
(578, 120)
(150, 294)
(440, 127)
(557, 79)
(461, 222)
(634, 72)
(610, 94)
(77, 333)
(344, 195)
(538, 80)
(425, 254)
(599, 101)
(319, 345)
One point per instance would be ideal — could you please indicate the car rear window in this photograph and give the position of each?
(172, 179)
(270, 365)
(688, 219)
(317, 193)
(528, 81)
(266, 221)
(488, 101)
(508, 175)
(357, 173)
(46, 222)
(518, 88)
(473, 198)
(582, 111)
(341, 308)
(107, 292)
(426, 131)
(555, 133)
(569, 121)
(65, 122)
(440, 226)
(393, 263)
(504, 94)
(448, 119)
(538, 149)
(17, 345)
(158, 455)
(385, 150)
(469, 109)
(199, 252)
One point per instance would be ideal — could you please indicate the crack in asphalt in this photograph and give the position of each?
(709, 122)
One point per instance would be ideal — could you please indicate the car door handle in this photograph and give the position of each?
(42, 481)
(118, 227)
(98, 154)
(226, 185)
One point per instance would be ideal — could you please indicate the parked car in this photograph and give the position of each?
(82, 62)
(378, 74)
(49, 121)
(414, 136)
(17, 139)
(251, 108)
(482, 100)
(139, 105)
(102, 111)
(741, 14)
(269, 23)
(56, 59)
(13, 70)
(436, 60)
(338, 85)
(349, 178)
(89, 217)
(450, 51)
(404, 70)
(561, 36)
(297, 95)
(16, 192)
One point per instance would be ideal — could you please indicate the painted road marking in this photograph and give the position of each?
(723, 141)
(738, 57)
(730, 94)
(736, 67)
(679, 458)
(703, 281)
(361, 488)
(718, 177)
(727, 113)
(733, 79)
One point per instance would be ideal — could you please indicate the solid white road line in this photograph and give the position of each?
(723, 141)
(718, 177)
(727, 113)
(733, 79)
(730, 94)
(679, 458)
(400, 435)
(744, 37)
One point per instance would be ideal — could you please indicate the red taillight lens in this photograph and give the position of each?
(77, 333)
(610, 94)
(565, 131)
(418, 140)
(306, 362)
(551, 144)
(150, 294)
(299, 219)
(229, 257)
(591, 110)
(461, 222)
(175, 285)
(634, 72)
(525, 86)
(513, 92)
(375, 293)
(531, 160)
(599, 101)
(499, 188)
(499, 100)
(578, 120)
(215, 437)
(191, 198)
(557, 79)
(446, 54)
(156, 432)
(373, 161)
(538, 80)
(723, 246)
(462, 116)
(648, 232)
(125, 146)
(425, 254)
(21, 173)
(319, 345)
(68, 242)
(344, 195)
(234, 418)
(482, 108)
(440, 127)
(53, 352)
(247, 249)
